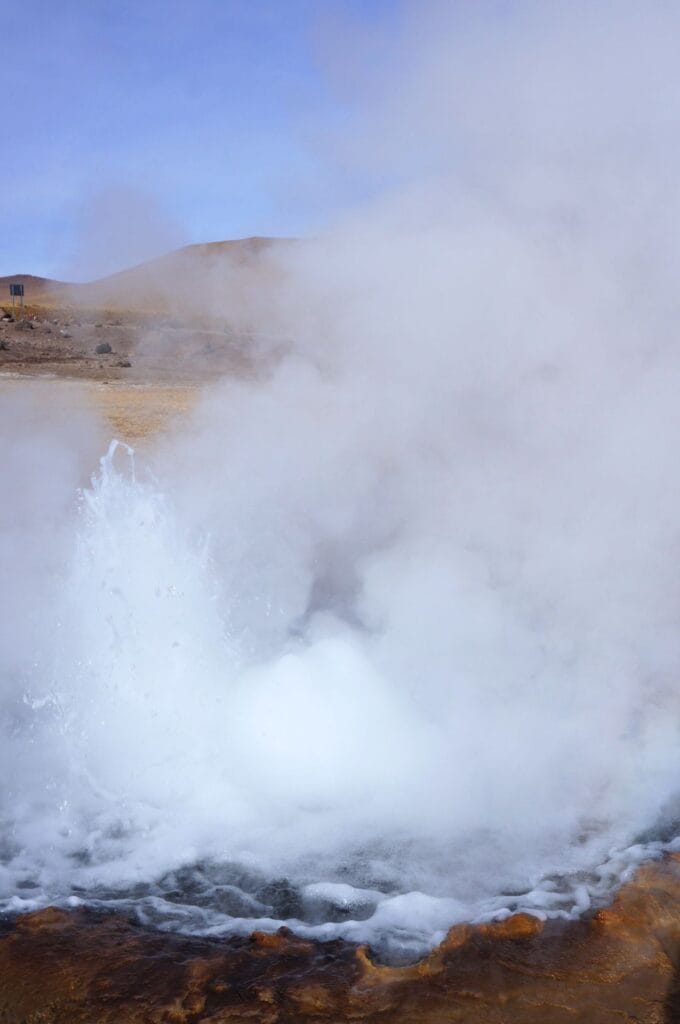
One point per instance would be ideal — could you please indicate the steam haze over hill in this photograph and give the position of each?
(197, 278)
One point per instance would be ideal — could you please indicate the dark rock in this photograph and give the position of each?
(124, 363)
(103, 348)
(25, 325)
(65, 334)
(4, 347)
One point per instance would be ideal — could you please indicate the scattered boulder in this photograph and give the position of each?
(4, 347)
(103, 348)
(65, 334)
(125, 363)
(25, 325)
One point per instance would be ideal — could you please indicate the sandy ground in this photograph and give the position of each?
(134, 413)
(150, 376)
(137, 412)
(139, 371)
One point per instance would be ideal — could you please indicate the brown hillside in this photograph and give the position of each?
(35, 288)
(211, 277)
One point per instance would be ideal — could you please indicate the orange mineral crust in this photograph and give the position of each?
(621, 964)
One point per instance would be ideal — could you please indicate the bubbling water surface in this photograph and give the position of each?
(161, 767)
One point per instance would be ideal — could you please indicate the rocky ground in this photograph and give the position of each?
(620, 965)
(140, 370)
(128, 346)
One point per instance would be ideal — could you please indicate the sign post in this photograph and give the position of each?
(17, 291)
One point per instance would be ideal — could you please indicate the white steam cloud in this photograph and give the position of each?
(402, 615)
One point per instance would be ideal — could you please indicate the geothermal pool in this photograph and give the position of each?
(347, 737)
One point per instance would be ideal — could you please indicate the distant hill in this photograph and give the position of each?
(210, 277)
(34, 287)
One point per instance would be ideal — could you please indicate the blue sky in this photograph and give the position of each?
(138, 126)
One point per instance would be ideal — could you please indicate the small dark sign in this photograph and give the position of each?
(16, 289)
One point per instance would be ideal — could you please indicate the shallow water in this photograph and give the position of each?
(213, 898)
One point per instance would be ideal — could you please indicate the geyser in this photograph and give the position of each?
(387, 637)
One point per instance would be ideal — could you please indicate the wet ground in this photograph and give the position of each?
(620, 964)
